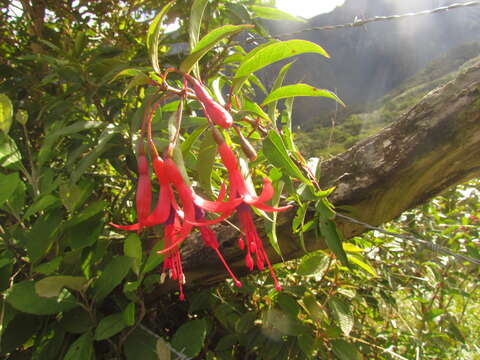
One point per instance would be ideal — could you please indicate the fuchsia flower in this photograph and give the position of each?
(180, 218)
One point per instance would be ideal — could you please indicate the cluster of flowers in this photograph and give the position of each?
(180, 217)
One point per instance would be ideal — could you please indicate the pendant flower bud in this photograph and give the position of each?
(215, 112)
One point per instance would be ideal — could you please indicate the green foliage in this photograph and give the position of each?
(78, 83)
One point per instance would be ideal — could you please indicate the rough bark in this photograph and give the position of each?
(432, 147)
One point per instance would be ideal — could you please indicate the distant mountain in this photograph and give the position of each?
(368, 62)
(356, 123)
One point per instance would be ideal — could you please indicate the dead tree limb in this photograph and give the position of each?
(432, 147)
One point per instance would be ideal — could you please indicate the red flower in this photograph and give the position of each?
(189, 200)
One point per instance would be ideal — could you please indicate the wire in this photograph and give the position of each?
(359, 22)
(427, 244)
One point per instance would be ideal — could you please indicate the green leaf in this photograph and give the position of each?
(209, 41)
(6, 113)
(52, 286)
(8, 185)
(314, 308)
(272, 13)
(41, 204)
(129, 314)
(306, 342)
(246, 322)
(87, 213)
(344, 350)
(363, 265)
(132, 72)
(275, 150)
(254, 108)
(300, 90)
(109, 326)
(342, 314)
(49, 267)
(205, 162)
(192, 137)
(9, 153)
(328, 230)
(111, 277)
(76, 321)
(145, 345)
(133, 247)
(276, 84)
(276, 52)
(155, 30)
(52, 138)
(288, 303)
(311, 264)
(138, 80)
(194, 26)
(22, 296)
(325, 209)
(190, 337)
(42, 235)
(271, 226)
(93, 155)
(196, 15)
(154, 259)
(81, 349)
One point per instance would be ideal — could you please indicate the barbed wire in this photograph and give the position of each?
(359, 22)
(431, 246)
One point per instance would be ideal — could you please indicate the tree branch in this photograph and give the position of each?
(432, 147)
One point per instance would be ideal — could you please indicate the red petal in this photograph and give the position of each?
(162, 210)
(132, 227)
(216, 206)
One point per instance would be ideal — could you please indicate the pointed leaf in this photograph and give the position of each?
(109, 326)
(52, 286)
(81, 349)
(209, 41)
(196, 15)
(311, 264)
(363, 265)
(300, 90)
(206, 159)
(276, 52)
(342, 314)
(155, 30)
(22, 296)
(190, 337)
(93, 155)
(272, 13)
(344, 350)
(275, 150)
(112, 276)
(8, 185)
(328, 230)
(6, 113)
(9, 153)
(276, 84)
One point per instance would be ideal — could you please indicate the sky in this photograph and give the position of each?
(307, 8)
